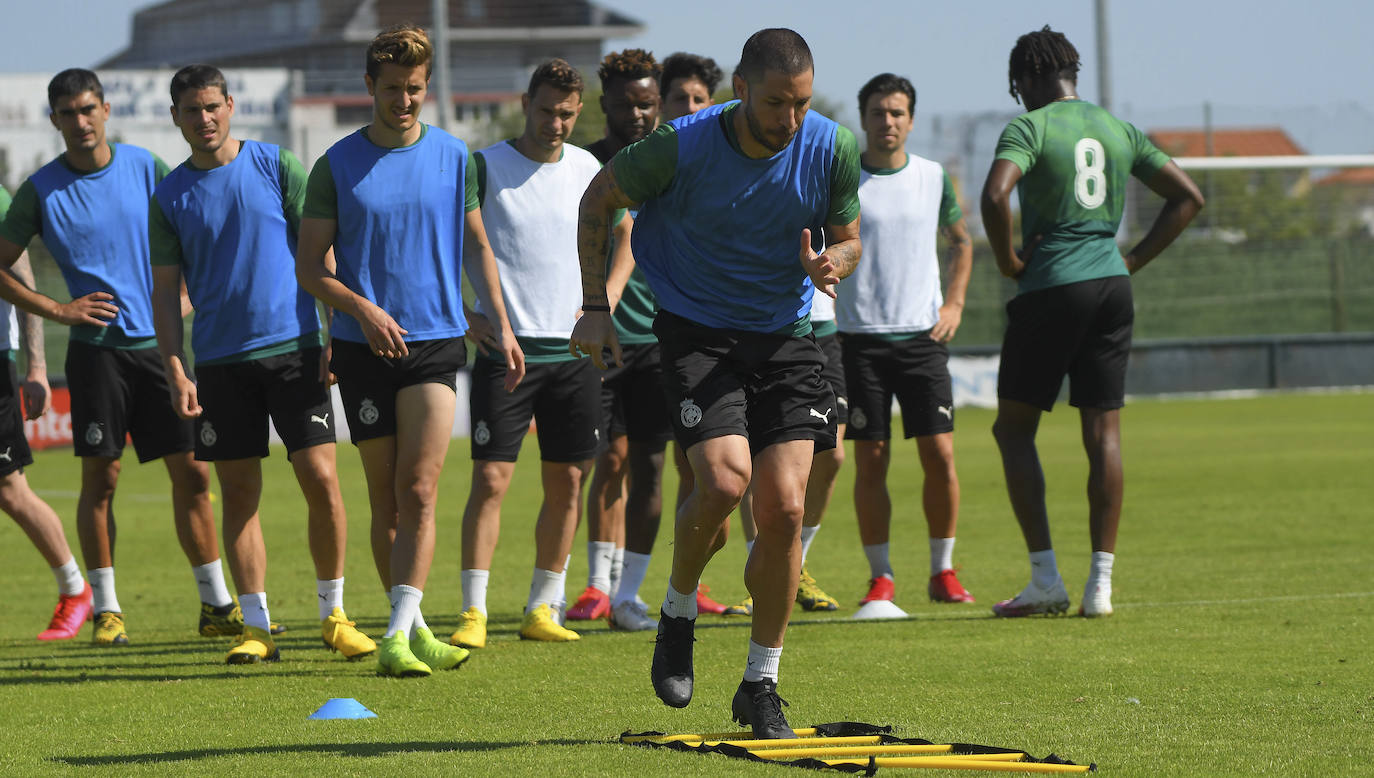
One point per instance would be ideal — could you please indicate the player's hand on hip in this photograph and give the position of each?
(818, 266)
(385, 337)
(37, 397)
(482, 334)
(94, 308)
(593, 333)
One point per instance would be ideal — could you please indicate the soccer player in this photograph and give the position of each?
(29, 399)
(750, 182)
(90, 206)
(528, 188)
(225, 223)
(687, 84)
(625, 499)
(1069, 162)
(894, 325)
(397, 200)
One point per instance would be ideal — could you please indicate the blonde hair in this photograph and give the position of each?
(405, 45)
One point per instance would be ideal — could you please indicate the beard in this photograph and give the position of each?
(765, 139)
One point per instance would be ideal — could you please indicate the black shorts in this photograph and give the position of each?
(1081, 330)
(122, 392)
(632, 398)
(833, 373)
(763, 386)
(14, 447)
(238, 398)
(915, 370)
(563, 398)
(369, 383)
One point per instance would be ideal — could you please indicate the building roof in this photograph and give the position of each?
(176, 31)
(1353, 176)
(1227, 142)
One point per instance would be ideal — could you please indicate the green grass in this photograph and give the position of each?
(1244, 596)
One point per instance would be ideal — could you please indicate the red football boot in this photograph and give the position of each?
(945, 587)
(706, 604)
(880, 588)
(69, 616)
(592, 604)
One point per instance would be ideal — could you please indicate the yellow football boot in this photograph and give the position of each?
(472, 629)
(253, 646)
(342, 635)
(540, 624)
(435, 653)
(109, 629)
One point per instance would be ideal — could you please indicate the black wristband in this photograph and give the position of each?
(601, 308)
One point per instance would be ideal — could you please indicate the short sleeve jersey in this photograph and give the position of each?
(233, 229)
(95, 225)
(399, 215)
(9, 326)
(1075, 160)
(718, 234)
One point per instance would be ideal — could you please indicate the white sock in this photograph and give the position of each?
(600, 560)
(878, 566)
(210, 584)
(941, 555)
(475, 589)
(1044, 570)
(103, 599)
(418, 623)
(678, 605)
(330, 595)
(617, 570)
(546, 588)
(405, 606)
(763, 663)
(1100, 574)
(808, 534)
(69, 580)
(254, 605)
(632, 577)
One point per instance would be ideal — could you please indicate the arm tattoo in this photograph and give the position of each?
(600, 201)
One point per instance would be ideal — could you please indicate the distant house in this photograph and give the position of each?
(494, 45)
(1226, 142)
(1349, 195)
(1242, 204)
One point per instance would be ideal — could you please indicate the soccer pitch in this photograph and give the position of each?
(1244, 591)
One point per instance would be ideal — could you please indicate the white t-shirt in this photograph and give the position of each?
(896, 286)
(530, 212)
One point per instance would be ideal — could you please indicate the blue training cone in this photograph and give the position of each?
(343, 708)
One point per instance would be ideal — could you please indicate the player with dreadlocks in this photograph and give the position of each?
(1070, 162)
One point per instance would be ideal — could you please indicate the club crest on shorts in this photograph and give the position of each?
(481, 434)
(858, 419)
(368, 413)
(94, 434)
(691, 413)
(208, 436)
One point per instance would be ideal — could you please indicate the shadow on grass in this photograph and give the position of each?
(333, 749)
(52, 678)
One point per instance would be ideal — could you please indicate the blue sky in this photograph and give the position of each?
(1304, 66)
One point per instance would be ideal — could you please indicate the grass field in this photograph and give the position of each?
(1241, 643)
